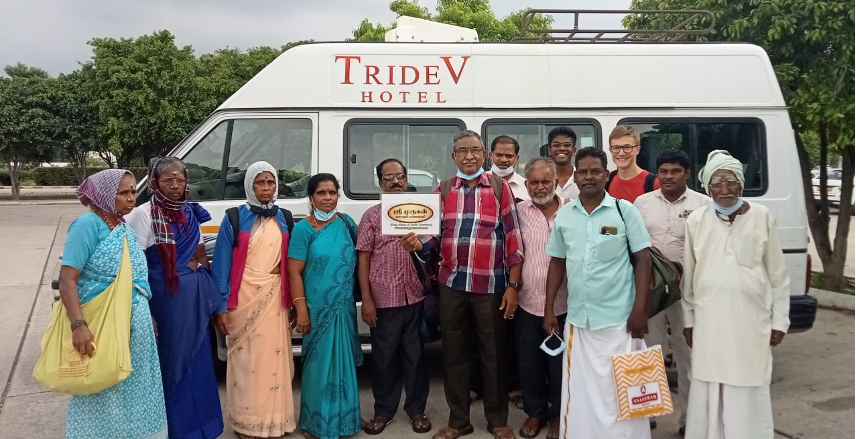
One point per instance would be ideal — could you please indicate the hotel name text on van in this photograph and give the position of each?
(383, 82)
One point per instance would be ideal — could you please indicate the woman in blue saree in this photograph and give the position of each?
(321, 262)
(134, 408)
(184, 297)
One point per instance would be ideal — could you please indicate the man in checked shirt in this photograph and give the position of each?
(481, 255)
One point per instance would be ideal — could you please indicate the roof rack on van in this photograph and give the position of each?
(661, 34)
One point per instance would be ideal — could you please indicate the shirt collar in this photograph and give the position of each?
(608, 201)
(659, 194)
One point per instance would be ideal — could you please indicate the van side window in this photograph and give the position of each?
(204, 163)
(532, 135)
(743, 138)
(284, 143)
(424, 146)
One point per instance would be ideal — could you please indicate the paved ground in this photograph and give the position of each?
(813, 382)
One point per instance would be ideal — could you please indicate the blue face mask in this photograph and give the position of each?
(727, 211)
(470, 177)
(322, 216)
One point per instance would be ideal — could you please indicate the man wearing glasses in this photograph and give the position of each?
(629, 181)
(481, 255)
(561, 147)
(392, 307)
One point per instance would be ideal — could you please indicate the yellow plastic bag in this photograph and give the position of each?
(62, 369)
(641, 384)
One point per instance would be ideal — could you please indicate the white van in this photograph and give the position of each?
(343, 107)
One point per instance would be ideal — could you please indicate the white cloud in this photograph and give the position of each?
(52, 34)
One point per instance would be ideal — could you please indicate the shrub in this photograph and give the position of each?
(6, 179)
(66, 176)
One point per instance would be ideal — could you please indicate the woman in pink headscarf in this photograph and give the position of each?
(91, 258)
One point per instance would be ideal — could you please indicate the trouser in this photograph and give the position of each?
(462, 313)
(397, 353)
(540, 374)
(720, 411)
(511, 365)
(673, 316)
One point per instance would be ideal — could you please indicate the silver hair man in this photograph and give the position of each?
(541, 195)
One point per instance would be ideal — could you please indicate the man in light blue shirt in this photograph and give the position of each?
(607, 299)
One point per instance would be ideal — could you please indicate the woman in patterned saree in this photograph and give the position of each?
(184, 298)
(321, 262)
(249, 276)
(91, 258)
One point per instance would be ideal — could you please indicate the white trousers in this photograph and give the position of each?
(721, 411)
(657, 335)
(589, 402)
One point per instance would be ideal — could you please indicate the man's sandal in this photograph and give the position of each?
(531, 427)
(376, 425)
(420, 423)
(553, 431)
(502, 433)
(451, 433)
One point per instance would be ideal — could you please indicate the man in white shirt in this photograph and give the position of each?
(665, 212)
(561, 147)
(504, 154)
(736, 300)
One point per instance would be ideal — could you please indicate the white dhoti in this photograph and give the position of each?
(589, 401)
(657, 335)
(721, 411)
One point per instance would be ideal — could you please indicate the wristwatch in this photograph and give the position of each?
(515, 285)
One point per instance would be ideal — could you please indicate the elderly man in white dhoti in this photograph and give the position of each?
(736, 303)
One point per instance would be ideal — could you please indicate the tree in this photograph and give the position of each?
(473, 14)
(76, 124)
(26, 123)
(147, 96)
(811, 46)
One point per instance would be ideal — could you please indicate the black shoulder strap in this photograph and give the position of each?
(609, 181)
(649, 182)
(626, 235)
(351, 229)
(234, 221)
(289, 219)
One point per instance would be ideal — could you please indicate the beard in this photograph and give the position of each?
(543, 199)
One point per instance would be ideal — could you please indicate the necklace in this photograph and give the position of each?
(110, 224)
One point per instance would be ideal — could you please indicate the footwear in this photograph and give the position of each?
(652, 423)
(308, 435)
(474, 396)
(451, 433)
(376, 425)
(682, 431)
(516, 399)
(420, 423)
(531, 427)
(553, 431)
(501, 432)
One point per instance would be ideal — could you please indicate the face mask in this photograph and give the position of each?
(502, 172)
(727, 211)
(553, 352)
(322, 216)
(470, 177)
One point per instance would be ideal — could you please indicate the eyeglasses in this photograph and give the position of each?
(626, 148)
(562, 145)
(730, 184)
(465, 152)
(173, 181)
(394, 177)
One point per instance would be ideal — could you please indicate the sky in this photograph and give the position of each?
(52, 34)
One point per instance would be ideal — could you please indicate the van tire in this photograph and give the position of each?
(803, 313)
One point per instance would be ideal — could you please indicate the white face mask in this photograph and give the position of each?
(558, 350)
(502, 172)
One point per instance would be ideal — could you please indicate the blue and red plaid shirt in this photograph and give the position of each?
(478, 239)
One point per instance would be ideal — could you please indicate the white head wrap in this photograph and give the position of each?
(720, 159)
(252, 172)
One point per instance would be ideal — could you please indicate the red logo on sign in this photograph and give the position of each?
(645, 398)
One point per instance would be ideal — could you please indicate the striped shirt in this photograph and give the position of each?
(478, 240)
(535, 229)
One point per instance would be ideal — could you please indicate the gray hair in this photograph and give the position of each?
(165, 164)
(466, 133)
(543, 161)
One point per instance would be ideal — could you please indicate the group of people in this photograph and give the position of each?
(560, 251)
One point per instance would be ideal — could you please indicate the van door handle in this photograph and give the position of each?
(353, 158)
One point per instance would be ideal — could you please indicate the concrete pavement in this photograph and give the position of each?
(812, 389)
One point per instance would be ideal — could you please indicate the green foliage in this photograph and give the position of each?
(67, 176)
(6, 179)
(473, 14)
(73, 105)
